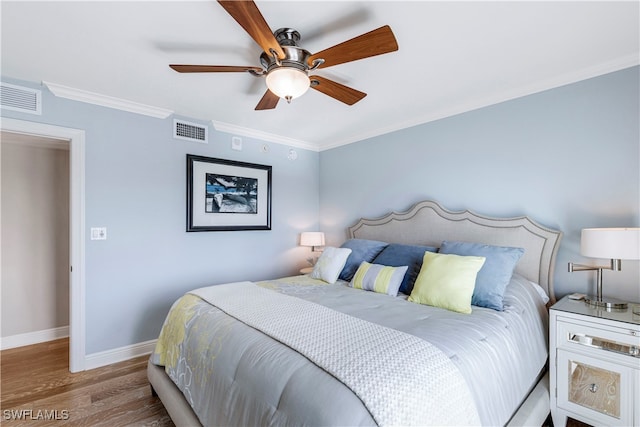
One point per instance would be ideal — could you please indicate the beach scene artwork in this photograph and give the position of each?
(231, 194)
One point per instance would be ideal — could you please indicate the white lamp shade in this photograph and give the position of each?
(288, 82)
(610, 243)
(312, 238)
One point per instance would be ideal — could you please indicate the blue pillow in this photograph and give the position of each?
(361, 250)
(495, 274)
(397, 255)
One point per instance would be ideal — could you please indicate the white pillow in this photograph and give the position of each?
(330, 264)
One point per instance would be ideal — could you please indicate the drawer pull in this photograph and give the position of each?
(593, 388)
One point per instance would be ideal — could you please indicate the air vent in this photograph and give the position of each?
(190, 131)
(18, 98)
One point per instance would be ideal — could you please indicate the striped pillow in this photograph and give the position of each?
(378, 278)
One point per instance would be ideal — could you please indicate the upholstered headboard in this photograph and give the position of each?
(428, 223)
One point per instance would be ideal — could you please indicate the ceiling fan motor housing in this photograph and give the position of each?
(295, 57)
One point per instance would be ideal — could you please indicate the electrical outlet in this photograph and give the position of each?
(98, 233)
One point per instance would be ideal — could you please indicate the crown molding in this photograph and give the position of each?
(263, 136)
(106, 101)
(554, 82)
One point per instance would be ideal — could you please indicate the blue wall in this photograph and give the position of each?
(135, 186)
(567, 157)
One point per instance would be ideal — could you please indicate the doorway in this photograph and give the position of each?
(75, 140)
(35, 239)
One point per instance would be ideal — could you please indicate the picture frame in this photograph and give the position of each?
(227, 195)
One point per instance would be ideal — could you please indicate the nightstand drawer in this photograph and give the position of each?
(594, 339)
(596, 388)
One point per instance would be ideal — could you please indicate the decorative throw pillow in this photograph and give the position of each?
(378, 278)
(397, 255)
(495, 274)
(330, 264)
(447, 281)
(361, 250)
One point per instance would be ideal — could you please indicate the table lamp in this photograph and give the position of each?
(313, 239)
(615, 244)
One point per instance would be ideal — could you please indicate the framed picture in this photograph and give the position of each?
(224, 195)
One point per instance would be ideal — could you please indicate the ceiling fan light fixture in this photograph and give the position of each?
(287, 82)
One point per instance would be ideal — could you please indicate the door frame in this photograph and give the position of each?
(76, 139)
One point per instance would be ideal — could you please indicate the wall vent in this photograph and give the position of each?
(190, 131)
(18, 98)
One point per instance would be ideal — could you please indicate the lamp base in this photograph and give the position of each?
(607, 304)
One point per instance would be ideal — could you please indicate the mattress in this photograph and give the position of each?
(255, 380)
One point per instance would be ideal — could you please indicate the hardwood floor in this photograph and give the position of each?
(36, 385)
(570, 423)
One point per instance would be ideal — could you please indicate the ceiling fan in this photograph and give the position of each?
(286, 66)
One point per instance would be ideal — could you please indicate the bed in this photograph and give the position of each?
(321, 350)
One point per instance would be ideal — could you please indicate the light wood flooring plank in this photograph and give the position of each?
(35, 383)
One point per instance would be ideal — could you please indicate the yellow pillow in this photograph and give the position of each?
(447, 281)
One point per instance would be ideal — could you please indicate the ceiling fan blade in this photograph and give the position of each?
(213, 68)
(376, 42)
(336, 90)
(247, 14)
(268, 102)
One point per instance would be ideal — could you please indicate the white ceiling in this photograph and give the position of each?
(453, 57)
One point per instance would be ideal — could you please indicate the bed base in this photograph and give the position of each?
(533, 411)
(172, 398)
(536, 407)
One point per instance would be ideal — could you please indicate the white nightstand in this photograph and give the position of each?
(595, 364)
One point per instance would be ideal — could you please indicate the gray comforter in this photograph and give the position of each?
(233, 374)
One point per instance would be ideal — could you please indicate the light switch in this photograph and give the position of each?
(98, 233)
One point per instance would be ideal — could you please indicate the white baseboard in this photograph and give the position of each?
(108, 357)
(92, 361)
(36, 337)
